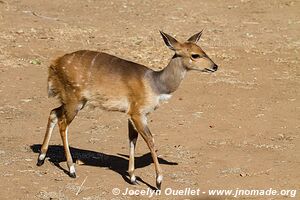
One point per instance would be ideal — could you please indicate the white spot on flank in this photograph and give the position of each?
(93, 61)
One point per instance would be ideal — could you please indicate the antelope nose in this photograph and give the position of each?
(215, 67)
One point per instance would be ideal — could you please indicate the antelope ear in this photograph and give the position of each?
(195, 38)
(171, 42)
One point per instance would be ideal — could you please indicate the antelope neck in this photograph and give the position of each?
(168, 79)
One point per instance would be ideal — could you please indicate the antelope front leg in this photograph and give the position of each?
(133, 135)
(140, 123)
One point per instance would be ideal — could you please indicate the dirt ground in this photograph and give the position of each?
(236, 128)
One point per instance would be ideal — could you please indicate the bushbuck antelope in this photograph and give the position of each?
(115, 84)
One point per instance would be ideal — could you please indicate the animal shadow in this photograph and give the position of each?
(117, 163)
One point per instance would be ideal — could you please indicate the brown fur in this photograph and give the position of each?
(98, 77)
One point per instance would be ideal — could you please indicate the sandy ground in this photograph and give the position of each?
(237, 128)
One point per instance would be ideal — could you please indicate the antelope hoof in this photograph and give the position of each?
(40, 162)
(41, 159)
(72, 172)
(72, 175)
(159, 181)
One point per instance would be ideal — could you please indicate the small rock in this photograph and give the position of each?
(281, 136)
(249, 35)
(35, 62)
(243, 174)
(19, 31)
(231, 7)
(26, 100)
(197, 114)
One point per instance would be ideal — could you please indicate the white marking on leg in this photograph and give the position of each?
(53, 122)
(131, 145)
(131, 157)
(53, 118)
(131, 149)
(132, 178)
(72, 169)
(51, 127)
(42, 156)
(159, 179)
(144, 120)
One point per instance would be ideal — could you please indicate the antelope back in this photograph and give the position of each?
(102, 79)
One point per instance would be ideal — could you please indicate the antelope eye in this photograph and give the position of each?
(195, 56)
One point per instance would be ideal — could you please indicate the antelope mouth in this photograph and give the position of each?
(209, 70)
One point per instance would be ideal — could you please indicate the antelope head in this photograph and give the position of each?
(193, 57)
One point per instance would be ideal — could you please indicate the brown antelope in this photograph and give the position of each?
(115, 84)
